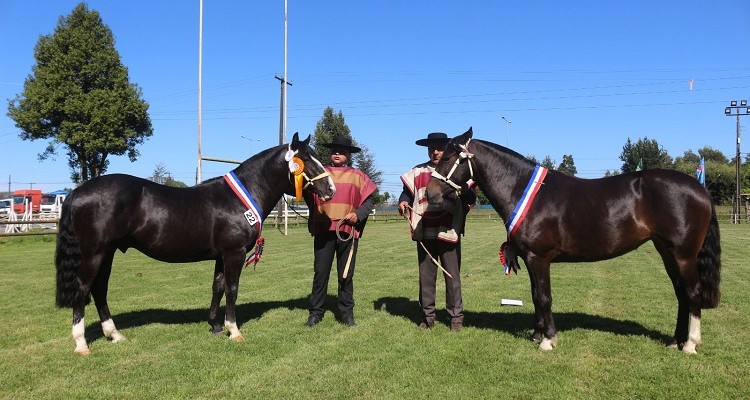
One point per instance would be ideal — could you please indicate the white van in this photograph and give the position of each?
(52, 203)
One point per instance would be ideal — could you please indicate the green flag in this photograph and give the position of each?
(639, 167)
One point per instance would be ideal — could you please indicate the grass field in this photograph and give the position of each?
(614, 319)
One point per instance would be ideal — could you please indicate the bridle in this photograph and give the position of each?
(297, 171)
(464, 154)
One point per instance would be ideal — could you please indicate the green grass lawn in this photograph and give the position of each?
(614, 319)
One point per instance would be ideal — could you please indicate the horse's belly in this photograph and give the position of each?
(175, 254)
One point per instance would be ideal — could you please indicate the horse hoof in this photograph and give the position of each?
(82, 352)
(689, 348)
(548, 344)
(673, 345)
(238, 339)
(118, 338)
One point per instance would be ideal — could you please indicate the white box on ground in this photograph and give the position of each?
(510, 302)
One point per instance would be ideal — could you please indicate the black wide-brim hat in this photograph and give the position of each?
(434, 138)
(342, 141)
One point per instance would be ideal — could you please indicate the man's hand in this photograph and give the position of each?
(402, 207)
(351, 218)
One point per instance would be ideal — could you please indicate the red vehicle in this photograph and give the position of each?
(33, 196)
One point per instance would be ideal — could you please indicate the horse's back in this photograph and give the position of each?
(607, 217)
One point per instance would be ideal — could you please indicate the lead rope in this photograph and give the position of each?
(437, 263)
(351, 249)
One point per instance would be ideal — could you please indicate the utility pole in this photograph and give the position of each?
(199, 171)
(737, 110)
(282, 122)
(282, 108)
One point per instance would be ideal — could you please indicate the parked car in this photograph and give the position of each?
(5, 205)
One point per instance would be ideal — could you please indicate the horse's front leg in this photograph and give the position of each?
(542, 296)
(232, 268)
(218, 292)
(536, 336)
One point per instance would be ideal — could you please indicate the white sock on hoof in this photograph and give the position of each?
(234, 331)
(111, 331)
(79, 338)
(548, 344)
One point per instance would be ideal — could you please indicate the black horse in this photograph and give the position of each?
(554, 217)
(211, 221)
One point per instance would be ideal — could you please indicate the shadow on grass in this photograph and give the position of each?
(245, 312)
(520, 324)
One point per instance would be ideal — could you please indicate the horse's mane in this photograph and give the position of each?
(512, 161)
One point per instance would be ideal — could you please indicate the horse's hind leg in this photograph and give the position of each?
(99, 292)
(218, 293)
(79, 328)
(683, 274)
(689, 317)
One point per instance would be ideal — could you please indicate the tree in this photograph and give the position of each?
(365, 162)
(568, 166)
(653, 155)
(330, 125)
(79, 95)
(548, 162)
(163, 176)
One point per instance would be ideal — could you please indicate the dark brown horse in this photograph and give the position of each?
(219, 220)
(554, 217)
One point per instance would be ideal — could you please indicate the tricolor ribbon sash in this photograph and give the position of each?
(518, 215)
(252, 214)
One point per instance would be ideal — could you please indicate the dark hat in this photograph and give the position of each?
(434, 138)
(342, 141)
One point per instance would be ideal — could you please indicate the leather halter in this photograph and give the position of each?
(291, 153)
(465, 154)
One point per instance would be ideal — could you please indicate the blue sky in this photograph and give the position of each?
(574, 78)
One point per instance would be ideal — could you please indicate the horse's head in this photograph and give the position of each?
(454, 171)
(307, 172)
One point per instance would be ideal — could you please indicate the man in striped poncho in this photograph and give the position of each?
(346, 213)
(437, 231)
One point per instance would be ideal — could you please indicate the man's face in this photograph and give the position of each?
(435, 152)
(339, 156)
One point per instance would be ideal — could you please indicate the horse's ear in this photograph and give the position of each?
(295, 140)
(468, 134)
(306, 142)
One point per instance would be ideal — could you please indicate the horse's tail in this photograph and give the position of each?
(67, 260)
(709, 264)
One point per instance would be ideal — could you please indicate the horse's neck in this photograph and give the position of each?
(264, 176)
(500, 175)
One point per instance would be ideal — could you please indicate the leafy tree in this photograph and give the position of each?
(548, 162)
(78, 95)
(163, 176)
(365, 161)
(611, 173)
(648, 150)
(568, 166)
(330, 125)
